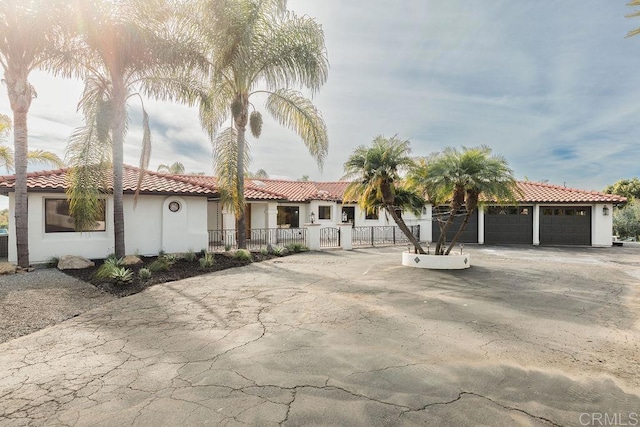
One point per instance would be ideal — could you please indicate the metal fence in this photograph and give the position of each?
(381, 235)
(329, 237)
(258, 238)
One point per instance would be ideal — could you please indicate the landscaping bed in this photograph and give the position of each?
(177, 268)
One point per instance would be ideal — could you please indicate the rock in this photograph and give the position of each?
(277, 250)
(284, 251)
(6, 268)
(72, 262)
(131, 260)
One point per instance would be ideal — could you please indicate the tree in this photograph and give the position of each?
(626, 221)
(4, 218)
(304, 178)
(460, 178)
(260, 173)
(375, 175)
(124, 49)
(176, 168)
(33, 156)
(31, 31)
(258, 48)
(629, 188)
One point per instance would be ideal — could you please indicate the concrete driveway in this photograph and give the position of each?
(528, 336)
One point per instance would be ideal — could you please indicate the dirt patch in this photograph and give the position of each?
(180, 268)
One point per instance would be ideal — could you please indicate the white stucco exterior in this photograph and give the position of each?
(149, 227)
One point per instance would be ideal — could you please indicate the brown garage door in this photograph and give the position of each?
(508, 225)
(565, 225)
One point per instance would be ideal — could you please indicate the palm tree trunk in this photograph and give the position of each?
(240, 208)
(21, 198)
(403, 226)
(20, 96)
(241, 127)
(117, 130)
(443, 229)
(459, 232)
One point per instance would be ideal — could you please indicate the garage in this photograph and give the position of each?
(508, 225)
(565, 225)
(470, 233)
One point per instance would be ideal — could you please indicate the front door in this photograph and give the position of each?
(349, 214)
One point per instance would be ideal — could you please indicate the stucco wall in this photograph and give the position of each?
(148, 228)
(602, 225)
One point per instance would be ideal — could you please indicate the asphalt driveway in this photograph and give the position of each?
(528, 336)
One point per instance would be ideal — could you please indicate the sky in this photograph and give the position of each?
(551, 86)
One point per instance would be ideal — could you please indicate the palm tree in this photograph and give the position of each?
(124, 49)
(175, 168)
(30, 32)
(258, 48)
(460, 178)
(375, 172)
(33, 156)
(260, 174)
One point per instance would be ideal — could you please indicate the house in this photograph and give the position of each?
(176, 213)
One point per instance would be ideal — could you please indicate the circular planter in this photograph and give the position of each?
(436, 262)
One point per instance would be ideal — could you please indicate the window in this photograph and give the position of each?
(288, 217)
(372, 214)
(58, 220)
(324, 212)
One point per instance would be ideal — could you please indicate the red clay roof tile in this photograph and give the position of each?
(292, 191)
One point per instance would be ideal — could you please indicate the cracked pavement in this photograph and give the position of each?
(527, 336)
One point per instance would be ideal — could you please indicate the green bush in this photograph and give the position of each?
(160, 264)
(207, 261)
(144, 274)
(52, 262)
(122, 275)
(190, 256)
(626, 221)
(227, 247)
(296, 247)
(108, 268)
(264, 251)
(242, 254)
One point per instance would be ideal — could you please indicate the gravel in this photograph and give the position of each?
(32, 301)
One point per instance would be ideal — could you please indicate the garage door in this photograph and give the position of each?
(508, 225)
(470, 234)
(565, 225)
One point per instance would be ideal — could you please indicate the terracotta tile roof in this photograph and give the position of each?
(153, 182)
(536, 192)
(273, 189)
(301, 191)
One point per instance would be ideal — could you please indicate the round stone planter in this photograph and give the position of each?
(436, 262)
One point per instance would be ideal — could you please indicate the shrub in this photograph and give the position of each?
(52, 262)
(202, 252)
(207, 261)
(144, 274)
(108, 268)
(227, 247)
(264, 251)
(190, 256)
(122, 275)
(297, 247)
(170, 259)
(242, 254)
(160, 264)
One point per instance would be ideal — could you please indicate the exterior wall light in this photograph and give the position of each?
(312, 217)
(605, 211)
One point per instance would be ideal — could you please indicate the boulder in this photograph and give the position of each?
(6, 268)
(131, 260)
(72, 262)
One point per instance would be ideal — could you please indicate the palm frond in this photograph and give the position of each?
(296, 112)
(6, 158)
(225, 149)
(44, 157)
